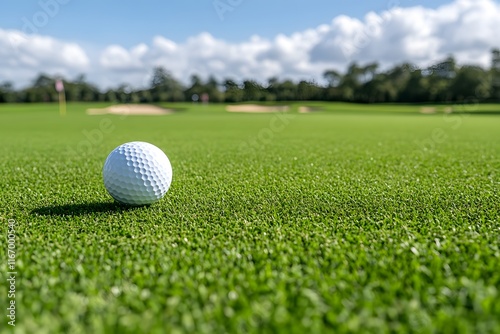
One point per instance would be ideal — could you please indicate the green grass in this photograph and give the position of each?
(355, 219)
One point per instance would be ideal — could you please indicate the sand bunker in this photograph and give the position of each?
(254, 108)
(432, 110)
(427, 110)
(306, 110)
(131, 109)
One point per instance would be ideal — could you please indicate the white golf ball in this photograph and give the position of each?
(137, 173)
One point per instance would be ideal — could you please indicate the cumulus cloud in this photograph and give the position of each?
(117, 58)
(468, 29)
(465, 28)
(22, 56)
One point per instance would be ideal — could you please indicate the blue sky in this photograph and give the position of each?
(115, 42)
(131, 22)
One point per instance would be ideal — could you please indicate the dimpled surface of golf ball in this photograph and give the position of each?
(137, 173)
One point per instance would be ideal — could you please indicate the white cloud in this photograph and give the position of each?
(466, 28)
(23, 56)
(117, 58)
(165, 45)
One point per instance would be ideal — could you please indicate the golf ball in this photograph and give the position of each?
(137, 173)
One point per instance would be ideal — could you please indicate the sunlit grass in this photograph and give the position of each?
(327, 222)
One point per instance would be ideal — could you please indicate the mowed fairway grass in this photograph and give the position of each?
(355, 219)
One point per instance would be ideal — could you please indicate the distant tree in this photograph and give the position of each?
(213, 90)
(145, 96)
(81, 90)
(470, 82)
(196, 84)
(440, 77)
(379, 89)
(286, 91)
(368, 72)
(308, 90)
(110, 96)
(160, 77)
(253, 91)
(400, 74)
(80, 79)
(123, 93)
(232, 91)
(392, 82)
(212, 83)
(332, 77)
(43, 81)
(196, 87)
(164, 87)
(271, 89)
(351, 82)
(495, 74)
(371, 84)
(445, 69)
(42, 90)
(331, 91)
(416, 88)
(7, 92)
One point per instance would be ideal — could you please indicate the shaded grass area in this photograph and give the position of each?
(324, 222)
(82, 209)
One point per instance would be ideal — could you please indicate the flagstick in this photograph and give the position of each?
(62, 103)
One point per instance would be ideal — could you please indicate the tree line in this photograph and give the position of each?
(444, 81)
